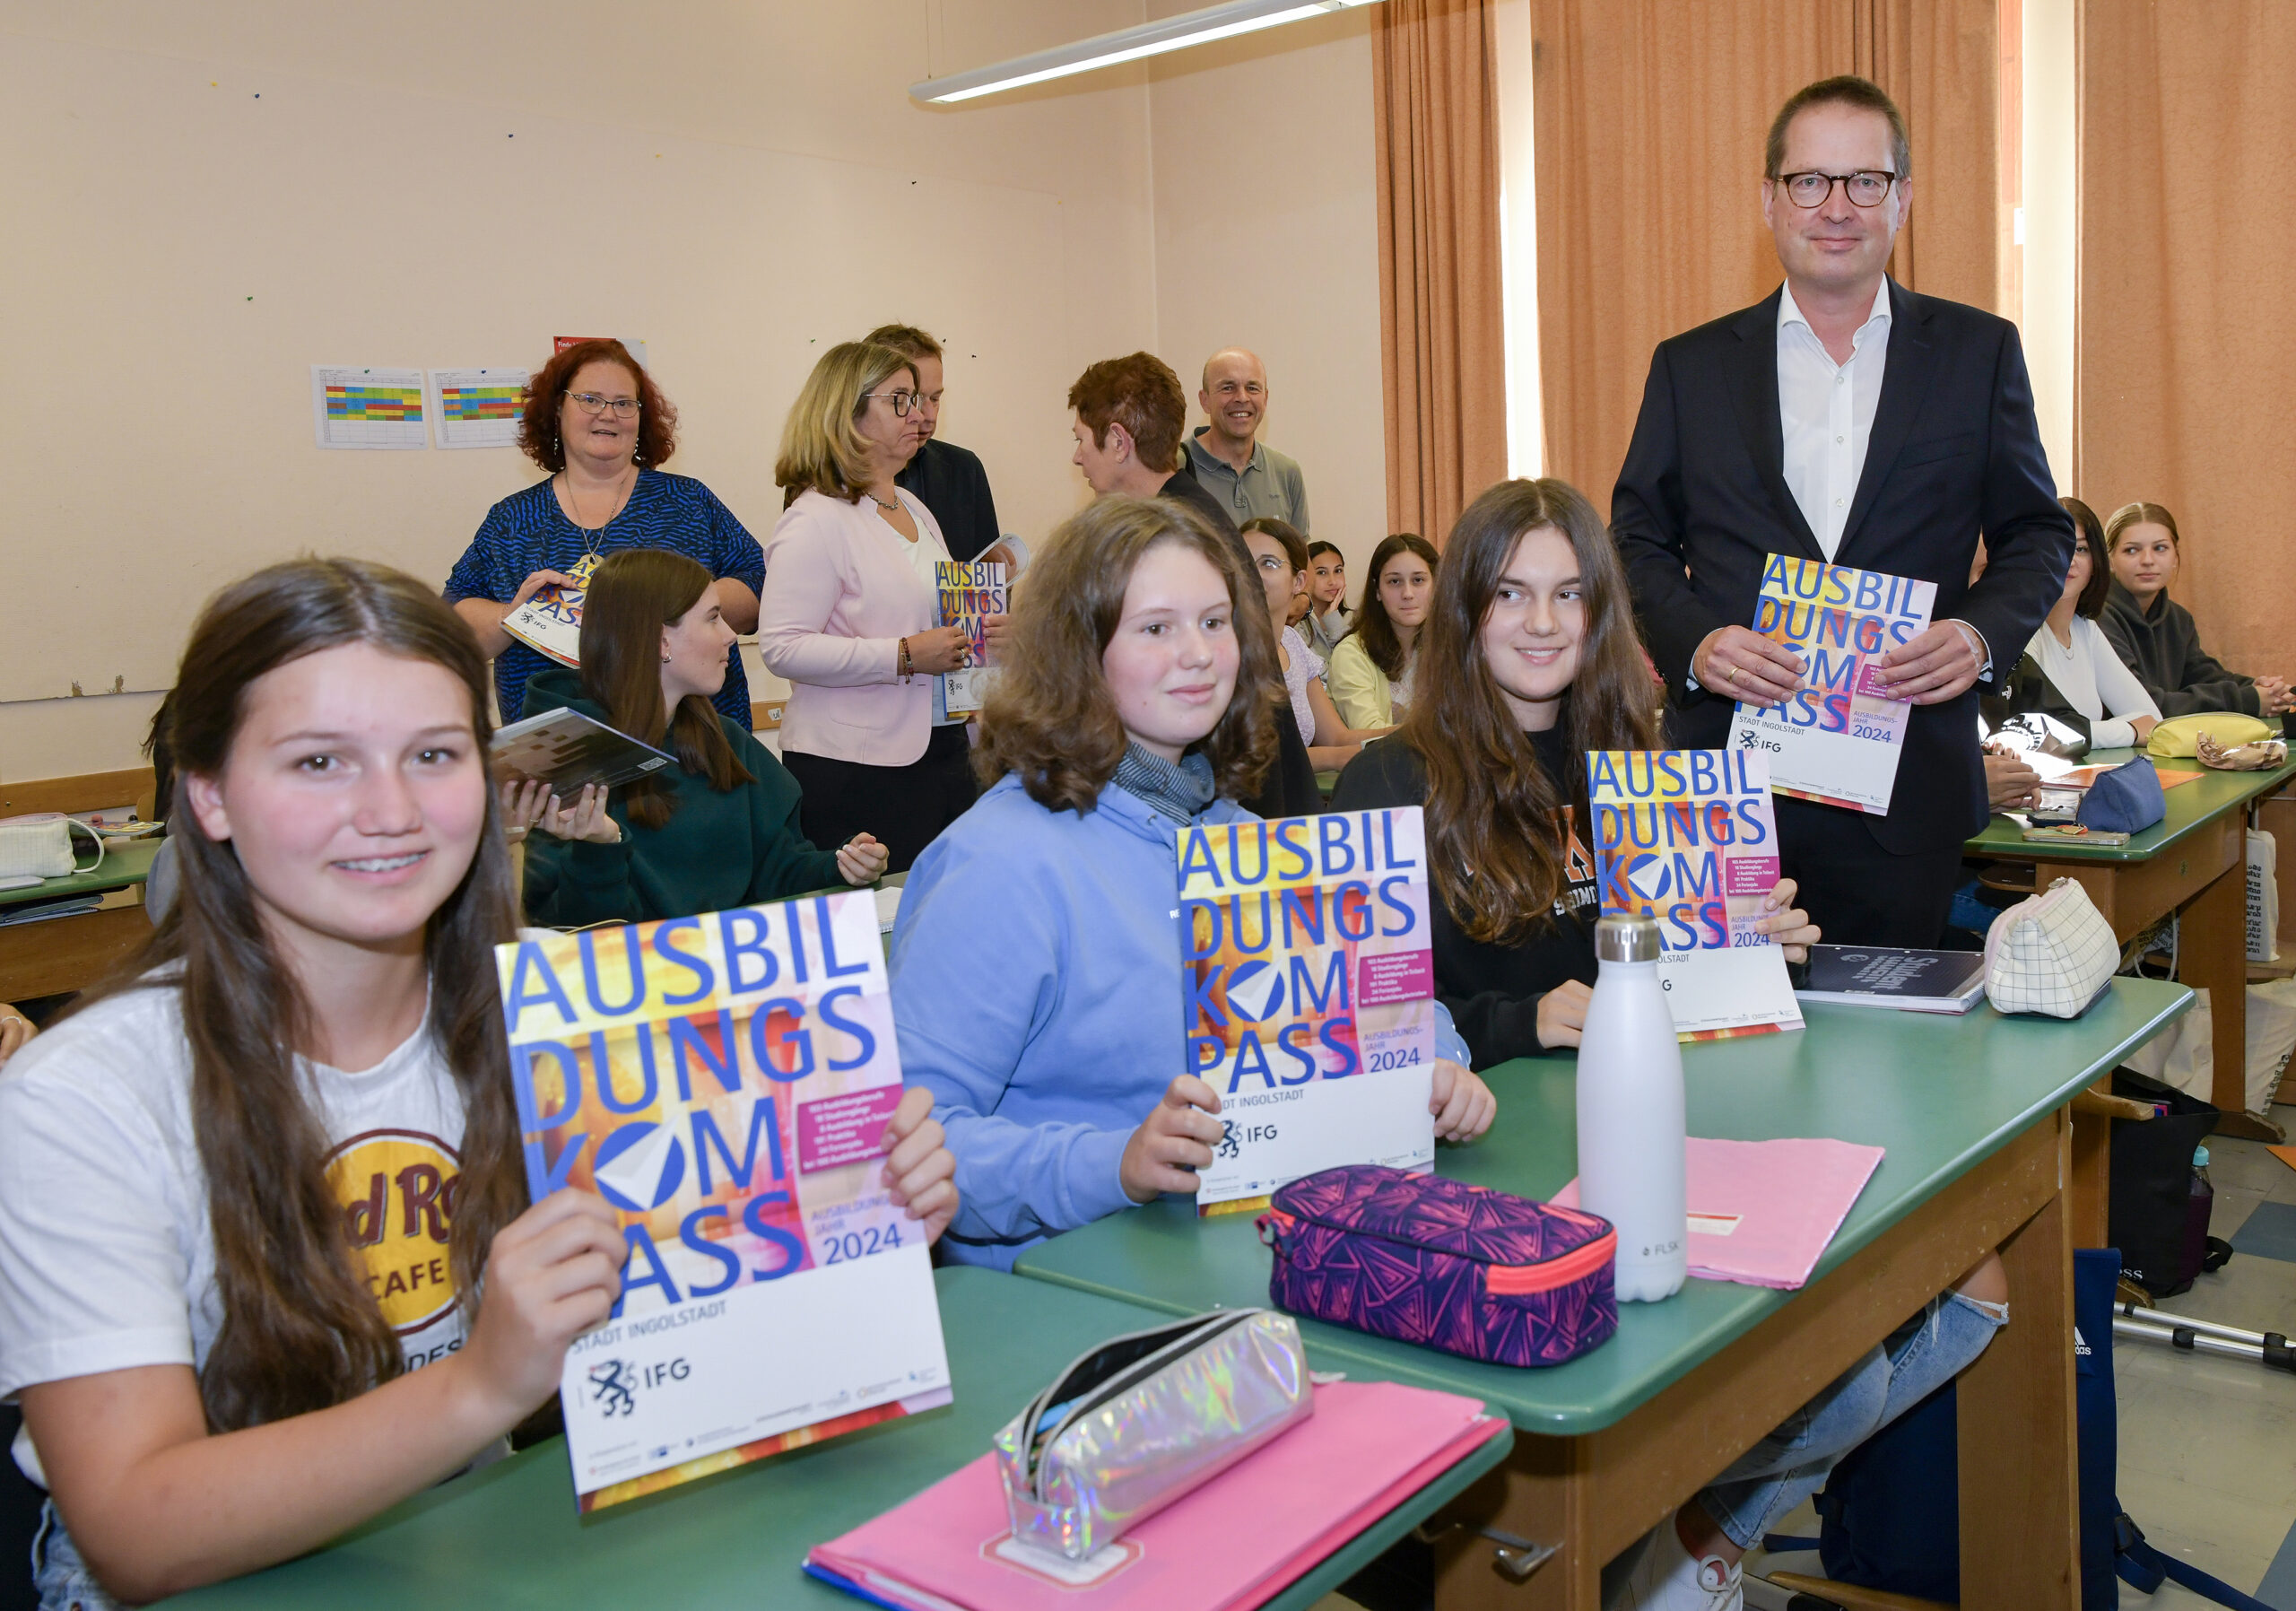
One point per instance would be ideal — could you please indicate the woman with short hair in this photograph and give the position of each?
(852, 621)
(595, 422)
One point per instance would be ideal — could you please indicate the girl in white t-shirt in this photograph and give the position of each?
(240, 1292)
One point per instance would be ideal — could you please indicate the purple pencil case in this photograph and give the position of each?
(1443, 1264)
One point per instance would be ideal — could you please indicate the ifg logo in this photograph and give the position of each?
(614, 1387)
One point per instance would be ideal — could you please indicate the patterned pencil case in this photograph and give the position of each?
(1142, 1419)
(1443, 1264)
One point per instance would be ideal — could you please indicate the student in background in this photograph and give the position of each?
(718, 830)
(1248, 478)
(948, 480)
(1327, 614)
(1531, 659)
(2070, 671)
(598, 423)
(209, 1381)
(2154, 635)
(853, 618)
(1131, 702)
(1280, 559)
(1371, 671)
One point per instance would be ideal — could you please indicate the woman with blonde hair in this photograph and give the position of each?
(852, 620)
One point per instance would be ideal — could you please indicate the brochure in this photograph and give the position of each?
(1892, 976)
(550, 621)
(1687, 837)
(569, 750)
(723, 1082)
(1836, 740)
(970, 593)
(1309, 982)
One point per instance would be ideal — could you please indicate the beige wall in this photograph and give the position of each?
(1266, 238)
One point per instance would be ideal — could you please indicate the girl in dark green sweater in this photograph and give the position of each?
(718, 830)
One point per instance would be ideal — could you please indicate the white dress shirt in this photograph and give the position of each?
(1826, 412)
(2093, 682)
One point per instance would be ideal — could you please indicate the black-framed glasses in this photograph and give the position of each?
(902, 402)
(1866, 187)
(622, 408)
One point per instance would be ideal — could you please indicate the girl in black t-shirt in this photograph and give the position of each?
(1529, 659)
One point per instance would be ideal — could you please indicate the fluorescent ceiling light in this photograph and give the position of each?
(1223, 22)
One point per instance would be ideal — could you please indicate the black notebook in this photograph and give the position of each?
(1886, 976)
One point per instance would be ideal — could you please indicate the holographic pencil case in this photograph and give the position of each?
(1425, 1259)
(1137, 1422)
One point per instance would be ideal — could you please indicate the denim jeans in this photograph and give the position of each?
(1786, 1467)
(63, 1579)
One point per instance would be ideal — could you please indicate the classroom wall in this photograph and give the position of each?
(204, 200)
(1266, 238)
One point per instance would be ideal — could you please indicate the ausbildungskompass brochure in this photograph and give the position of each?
(550, 621)
(969, 593)
(724, 1081)
(1687, 837)
(1836, 740)
(1309, 981)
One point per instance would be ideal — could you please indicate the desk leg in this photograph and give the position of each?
(2215, 950)
(2088, 1181)
(2019, 1539)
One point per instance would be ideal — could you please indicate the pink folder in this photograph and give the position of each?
(1233, 1544)
(1760, 1212)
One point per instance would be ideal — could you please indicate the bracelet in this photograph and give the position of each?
(908, 667)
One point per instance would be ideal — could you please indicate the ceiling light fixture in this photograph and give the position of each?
(1223, 22)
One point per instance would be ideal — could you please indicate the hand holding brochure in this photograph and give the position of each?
(568, 751)
(550, 621)
(1310, 987)
(969, 595)
(723, 1083)
(1687, 837)
(1837, 739)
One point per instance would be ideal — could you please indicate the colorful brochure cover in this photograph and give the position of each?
(550, 621)
(969, 595)
(1835, 740)
(723, 1082)
(1688, 839)
(1309, 981)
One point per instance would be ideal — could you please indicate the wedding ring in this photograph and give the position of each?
(1729, 674)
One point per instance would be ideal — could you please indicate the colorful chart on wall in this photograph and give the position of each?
(355, 405)
(478, 408)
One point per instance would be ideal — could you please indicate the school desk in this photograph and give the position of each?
(1971, 1111)
(56, 954)
(508, 1536)
(2193, 862)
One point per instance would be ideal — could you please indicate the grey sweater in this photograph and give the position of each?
(2162, 647)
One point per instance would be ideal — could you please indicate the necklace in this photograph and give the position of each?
(620, 498)
(893, 502)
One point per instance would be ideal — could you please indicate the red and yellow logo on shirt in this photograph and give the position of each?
(397, 1192)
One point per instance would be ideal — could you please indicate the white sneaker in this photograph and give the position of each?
(1666, 1579)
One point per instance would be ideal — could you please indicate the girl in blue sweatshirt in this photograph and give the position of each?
(1036, 959)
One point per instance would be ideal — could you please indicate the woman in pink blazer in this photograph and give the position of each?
(849, 613)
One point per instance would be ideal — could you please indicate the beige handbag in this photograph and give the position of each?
(2052, 953)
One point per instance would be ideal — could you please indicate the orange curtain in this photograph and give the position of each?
(1649, 118)
(2184, 348)
(1435, 113)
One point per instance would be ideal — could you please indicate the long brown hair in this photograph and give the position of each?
(300, 1331)
(632, 595)
(538, 408)
(1049, 716)
(1495, 852)
(1371, 623)
(2092, 602)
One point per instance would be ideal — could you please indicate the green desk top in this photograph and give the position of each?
(2191, 807)
(1941, 1093)
(508, 1536)
(122, 864)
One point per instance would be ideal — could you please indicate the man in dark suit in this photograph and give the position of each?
(949, 480)
(1847, 420)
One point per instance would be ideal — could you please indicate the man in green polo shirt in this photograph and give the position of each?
(1250, 478)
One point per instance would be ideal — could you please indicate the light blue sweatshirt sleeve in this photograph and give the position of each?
(1450, 1046)
(975, 981)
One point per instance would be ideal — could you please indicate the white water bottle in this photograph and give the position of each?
(1632, 1154)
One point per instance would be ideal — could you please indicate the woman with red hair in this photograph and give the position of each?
(594, 421)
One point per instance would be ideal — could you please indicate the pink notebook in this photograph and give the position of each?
(1230, 1544)
(1760, 1212)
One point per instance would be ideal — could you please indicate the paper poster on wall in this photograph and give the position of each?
(636, 348)
(478, 408)
(357, 406)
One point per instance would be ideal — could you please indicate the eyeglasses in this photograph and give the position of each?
(622, 408)
(1865, 188)
(902, 402)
